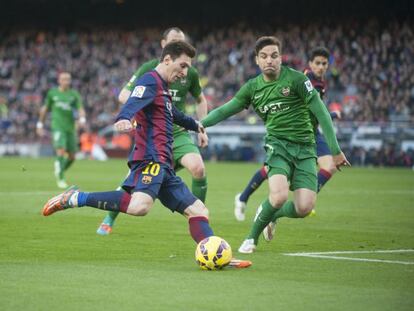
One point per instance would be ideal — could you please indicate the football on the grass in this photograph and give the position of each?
(213, 253)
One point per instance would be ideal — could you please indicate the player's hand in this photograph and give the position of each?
(82, 122)
(341, 160)
(201, 128)
(123, 126)
(202, 140)
(39, 129)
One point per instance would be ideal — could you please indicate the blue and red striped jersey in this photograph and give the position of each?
(319, 84)
(150, 106)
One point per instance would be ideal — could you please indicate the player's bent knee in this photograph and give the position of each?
(197, 171)
(196, 209)
(304, 208)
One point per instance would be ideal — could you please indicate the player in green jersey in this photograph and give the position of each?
(63, 103)
(286, 101)
(185, 152)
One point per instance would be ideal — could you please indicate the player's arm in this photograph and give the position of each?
(141, 96)
(321, 113)
(197, 93)
(223, 112)
(310, 96)
(82, 116)
(40, 123)
(183, 120)
(123, 96)
(239, 102)
(202, 106)
(42, 115)
(127, 89)
(81, 110)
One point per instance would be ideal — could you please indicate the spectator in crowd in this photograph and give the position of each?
(370, 73)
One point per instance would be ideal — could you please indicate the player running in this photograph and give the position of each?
(318, 66)
(63, 102)
(151, 160)
(286, 101)
(185, 152)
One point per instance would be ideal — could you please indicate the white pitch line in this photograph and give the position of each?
(369, 192)
(355, 252)
(321, 255)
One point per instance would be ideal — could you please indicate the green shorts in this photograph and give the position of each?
(296, 161)
(65, 140)
(183, 144)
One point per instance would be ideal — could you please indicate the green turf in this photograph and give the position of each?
(59, 263)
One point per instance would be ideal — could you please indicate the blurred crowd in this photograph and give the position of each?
(370, 75)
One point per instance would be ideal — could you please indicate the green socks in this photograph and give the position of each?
(60, 167)
(262, 220)
(62, 163)
(199, 188)
(287, 210)
(68, 163)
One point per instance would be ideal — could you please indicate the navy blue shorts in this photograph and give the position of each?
(159, 181)
(322, 148)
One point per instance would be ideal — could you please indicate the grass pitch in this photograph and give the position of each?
(60, 263)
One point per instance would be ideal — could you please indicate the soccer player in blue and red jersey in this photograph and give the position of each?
(318, 66)
(150, 162)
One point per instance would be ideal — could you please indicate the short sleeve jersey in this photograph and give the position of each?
(62, 105)
(282, 104)
(178, 89)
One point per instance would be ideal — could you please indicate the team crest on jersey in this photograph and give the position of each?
(286, 91)
(146, 179)
(308, 85)
(138, 91)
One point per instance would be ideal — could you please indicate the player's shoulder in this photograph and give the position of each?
(75, 92)
(148, 77)
(151, 64)
(255, 80)
(294, 74)
(193, 72)
(52, 90)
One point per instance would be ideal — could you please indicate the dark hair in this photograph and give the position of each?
(265, 41)
(319, 51)
(177, 48)
(167, 31)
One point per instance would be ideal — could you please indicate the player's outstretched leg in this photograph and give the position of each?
(240, 201)
(264, 216)
(60, 202)
(117, 201)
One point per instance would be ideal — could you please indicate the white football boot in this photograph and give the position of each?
(247, 246)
